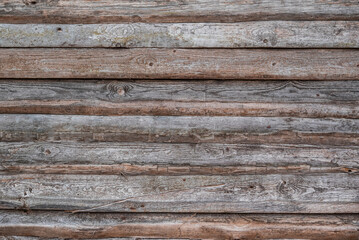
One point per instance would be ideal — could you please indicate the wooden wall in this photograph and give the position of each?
(201, 119)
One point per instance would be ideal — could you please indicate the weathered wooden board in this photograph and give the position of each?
(248, 130)
(149, 63)
(263, 34)
(285, 193)
(175, 159)
(315, 99)
(183, 226)
(82, 11)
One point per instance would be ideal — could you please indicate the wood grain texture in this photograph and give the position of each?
(285, 193)
(181, 226)
(249, 130)
(314, 99)
(82, 11)
(175, 159)
(263, 34)
(309, 64)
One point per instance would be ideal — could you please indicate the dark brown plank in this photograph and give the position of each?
(248, 130)
(314, 99)
(285, 193)
(181, 226)
(262, 34)
(309, 64)
(82, 11)
(130, 159)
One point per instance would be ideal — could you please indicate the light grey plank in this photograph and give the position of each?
(263, 34)
(323, 193)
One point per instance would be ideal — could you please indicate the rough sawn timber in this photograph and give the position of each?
(152, 63)
(182, 226)
(107, 11)
(314, 99)
(262, 34)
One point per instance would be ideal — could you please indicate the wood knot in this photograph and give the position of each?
(116, 90)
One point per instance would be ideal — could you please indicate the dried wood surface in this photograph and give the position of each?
(178, 226)
(313, 99)
(82, 11)
(262, 34)
(273, 193)
(150, 63)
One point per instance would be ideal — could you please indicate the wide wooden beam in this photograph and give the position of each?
(309, 64)
(181, 226)
(313, 99)
(262, 34)
(284, 193)
(82, 11)
(248, 130)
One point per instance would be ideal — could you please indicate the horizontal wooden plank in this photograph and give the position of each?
(181, 226)
(315, 99)
(82, 11)
(248, 130)
(263, 34)
(324, 193)
(175, 159)
(149, 63)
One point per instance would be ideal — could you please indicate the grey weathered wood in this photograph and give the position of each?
(183, 226)
(272, 34)
(149, 63)
(82, 11)
(56, 128)
(324, 193)
(175, 159)
(211, 98)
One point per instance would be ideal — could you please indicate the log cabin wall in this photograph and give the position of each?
(201, 119)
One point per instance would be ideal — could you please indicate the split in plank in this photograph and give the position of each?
(184, 226)
(263, 34)
(111, 11)
(285, 193)
(248, 130)
(152, 63)
(314, 99)
(175, 159)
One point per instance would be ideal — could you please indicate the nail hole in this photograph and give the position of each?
(251, 187)
(268, 126)
(184, 179)
(349, 170)
(265, 40)
(318, 95)
(33, 2)
(273, 64)
(174, 51)
(59, 29)
(151, 64)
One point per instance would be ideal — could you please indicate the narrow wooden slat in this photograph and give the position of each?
(338, 99)
(249, 130)
(309, 64)
(82, 11)
(266, 34)
(175, 159)
(181, 226)
(324, 193)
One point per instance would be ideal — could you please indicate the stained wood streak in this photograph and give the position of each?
(323, 193)
(109, 11)
(181, 226)
(175, 159)
(336, 99)
(248, 130)
(149, 63)
(263, 34)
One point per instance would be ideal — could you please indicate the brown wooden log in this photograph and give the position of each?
(181, 226)
(82, 11)
(262, 34)
(314, 99)
(284, 193)
(309, 64)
